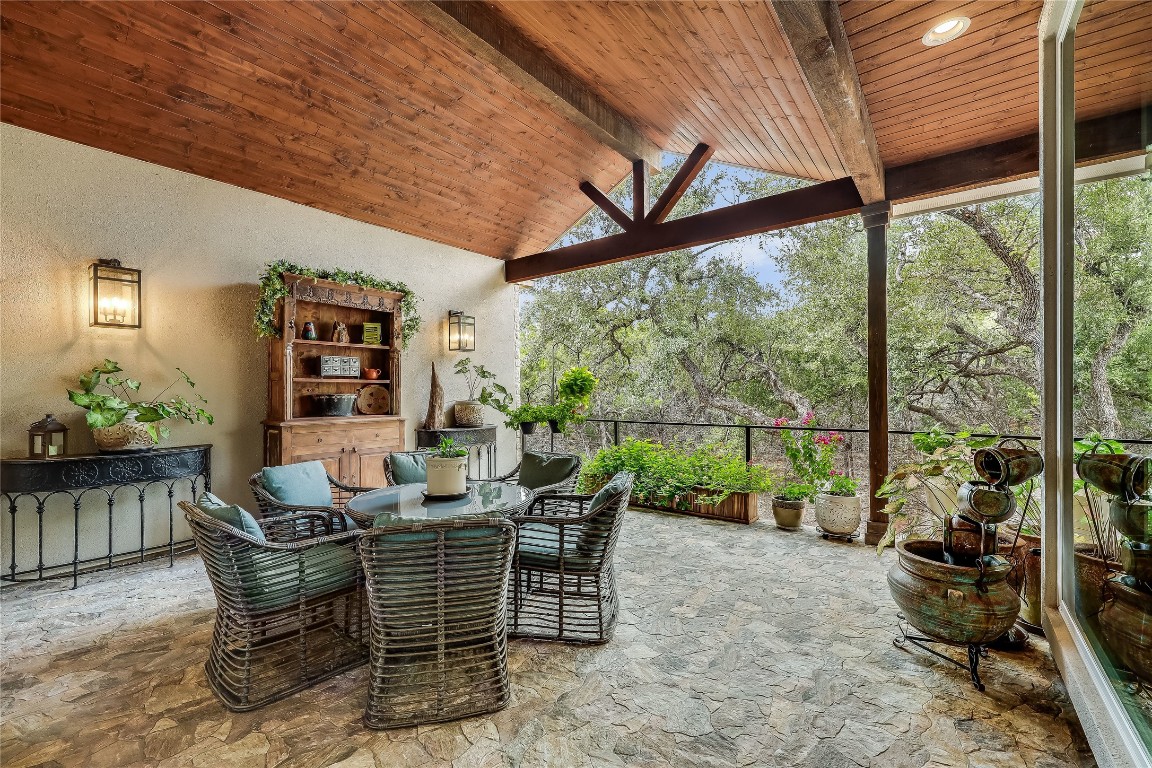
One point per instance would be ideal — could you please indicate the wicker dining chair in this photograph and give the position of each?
(404, 467)
(328, 492)
(439, 633)
(290, 610)
(563, 584)
(545, 472)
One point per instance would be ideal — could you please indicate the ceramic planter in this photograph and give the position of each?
(956, 604)
(787, 513)
(839, 515)
(468, 413)
(129, 436)
(1126, 624)
(447, 476)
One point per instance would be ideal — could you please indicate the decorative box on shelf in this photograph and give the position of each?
(339, 365)
(372, 333)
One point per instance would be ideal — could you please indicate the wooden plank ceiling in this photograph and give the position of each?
(367, 110)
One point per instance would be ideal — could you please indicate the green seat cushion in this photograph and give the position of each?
(409, 468)
(277, 580)
(538, 546)
(231, 514)
(299, 485)
(538, 470)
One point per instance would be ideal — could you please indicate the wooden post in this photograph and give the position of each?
(876, 217)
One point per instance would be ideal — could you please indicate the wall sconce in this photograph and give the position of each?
(47, 438)
(115, 295)
(461, 332)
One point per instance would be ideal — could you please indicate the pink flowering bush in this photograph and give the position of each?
(810, 453)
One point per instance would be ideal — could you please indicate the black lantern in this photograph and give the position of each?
(47, 438)
(461, 332)
(115, 295)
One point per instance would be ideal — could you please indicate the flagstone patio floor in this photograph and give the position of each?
(737, 646)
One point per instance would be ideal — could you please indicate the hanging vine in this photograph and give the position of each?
(272, 289)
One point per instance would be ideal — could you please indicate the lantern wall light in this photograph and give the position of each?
(461, 331)
(115, 295)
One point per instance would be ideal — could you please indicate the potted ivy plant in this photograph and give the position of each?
(448, 469)
(470, 412)
(120, 420)
(837, 507)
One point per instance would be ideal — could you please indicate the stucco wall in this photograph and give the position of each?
(201, 245)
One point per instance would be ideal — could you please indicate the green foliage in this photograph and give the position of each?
(525, 414)
(272, 289)
(665, 475)
(474, 376)
(810, 454)
(841, 485)
(576, 384)
(106, 409)
(447, 449)
(796, 492)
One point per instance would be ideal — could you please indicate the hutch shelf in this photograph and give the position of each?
(351, 447)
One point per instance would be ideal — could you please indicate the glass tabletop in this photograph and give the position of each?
(407, 502)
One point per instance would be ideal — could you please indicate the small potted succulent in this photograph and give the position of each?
(448, 469)
(837, 507)
(788, 505)
(122, 423)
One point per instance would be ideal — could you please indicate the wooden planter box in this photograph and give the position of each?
(738, 507)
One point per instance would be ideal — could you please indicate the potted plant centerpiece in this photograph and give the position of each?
(837, 507)
(448, 469)
(470, 412)
(121, 422)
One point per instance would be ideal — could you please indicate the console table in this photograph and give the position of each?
(27, 486)
(483, 439)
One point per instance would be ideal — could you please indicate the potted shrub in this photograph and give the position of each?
(837, 507)
(525, 418)
(576, 385)
(448, 469)
(119, 421)
(788, 505)
(470, 412)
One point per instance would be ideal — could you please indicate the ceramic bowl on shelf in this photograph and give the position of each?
(334, 405)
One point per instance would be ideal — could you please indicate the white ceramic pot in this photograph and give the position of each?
(447, 476)
(127, 436)
(839, 515)
(468, 413)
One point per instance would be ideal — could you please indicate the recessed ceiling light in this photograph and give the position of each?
(946, 31)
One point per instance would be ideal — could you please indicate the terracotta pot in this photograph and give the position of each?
(447, 476)
(1007, 466)
(468, 413)
(981, 502)
(129, 436)
(944, 602)
(787, 513)
(1117, 474)
(1132, 518)
(839, 515)
(1126, 624)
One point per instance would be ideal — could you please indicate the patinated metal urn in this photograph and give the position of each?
(952, 603)
(1126, 623)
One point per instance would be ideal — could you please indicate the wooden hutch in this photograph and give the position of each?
(351, 447)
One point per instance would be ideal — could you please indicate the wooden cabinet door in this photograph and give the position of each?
(334, 460)
(369, 465)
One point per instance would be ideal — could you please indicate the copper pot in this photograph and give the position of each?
(1136, 560)
(1132, 518)
(966, 541)
(1117, 474)
(1007, 466)
(1126, 624)
(956, 604)
(985, 502)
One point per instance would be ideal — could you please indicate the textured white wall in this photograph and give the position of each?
(201, 245)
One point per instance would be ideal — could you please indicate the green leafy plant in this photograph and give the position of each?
(447, 449)
(272, 289)
(108, 408)
(841, 485)
(563, 413)
(524, 414)
(810, 453)
(909, 514)
(669, 476)
(474, 377)
(796, 492)
(497, 396)
(576, 384)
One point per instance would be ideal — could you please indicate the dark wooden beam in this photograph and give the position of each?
(639, 190)
(680, 183)
(605, 204)
(828, 200)
(1096, 140)
(876, 217)
(483, 33)
(815, 32)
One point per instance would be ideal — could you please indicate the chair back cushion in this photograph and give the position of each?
(299, 485)
(231, 514)
(598, 534)
(539, 469)
(409, 468)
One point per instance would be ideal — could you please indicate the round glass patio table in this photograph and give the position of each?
(406, 503)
